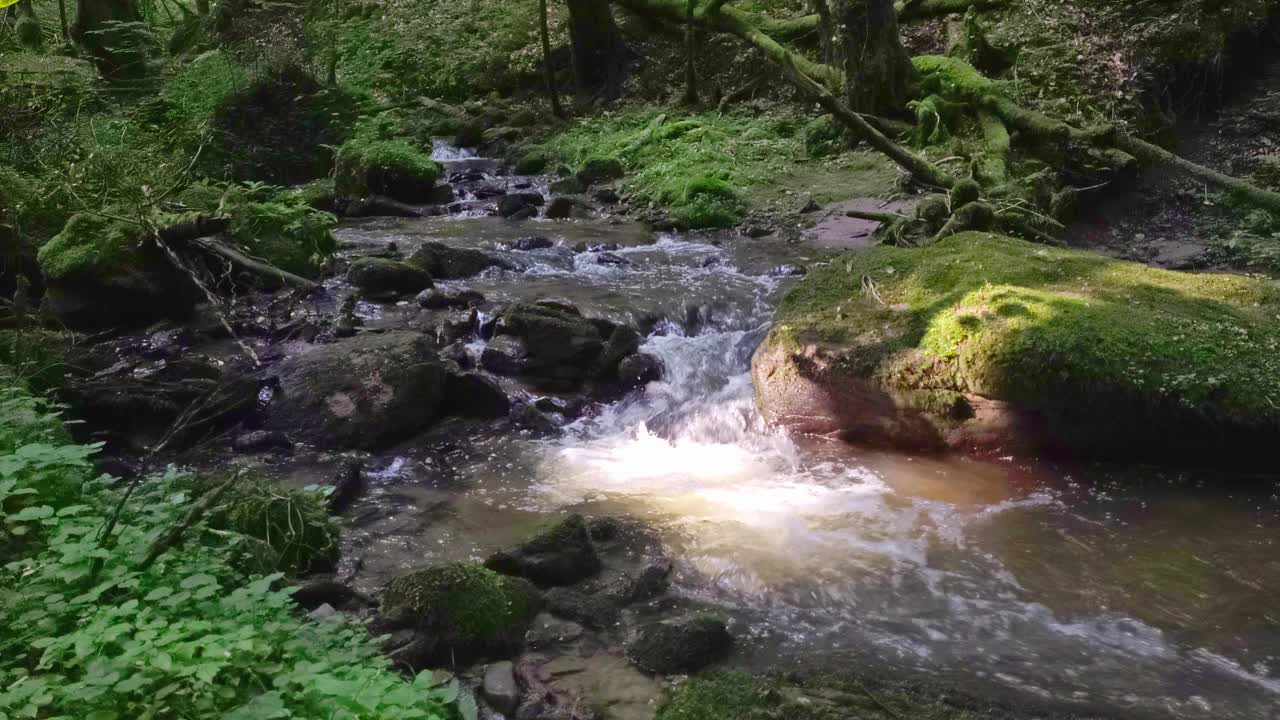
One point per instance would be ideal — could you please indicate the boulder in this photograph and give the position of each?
(568, 186)
(987, 344)
(366, 392)
(562, 345)
(681, 645)
(499, 687)
(622, 342)
(505, 355)
(599, 170)
(562, 554)
(436, 298)
(348, 485)
(560, 208)
(447, 263)
(639, 369)
(470, 394)
(459, 612)
(382, 276)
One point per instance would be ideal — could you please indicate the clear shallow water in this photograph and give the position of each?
(1140, 591)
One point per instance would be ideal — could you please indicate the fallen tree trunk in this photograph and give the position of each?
(198, 233)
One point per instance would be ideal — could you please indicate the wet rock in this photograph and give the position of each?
(525, 213)
(509, 205)
(558, 305)
(442, 193)
(471, 394)
(382, 206)
(437, 298)
(595, 611)
(483, 191)
(499, 686)
(746, 347)
(535, 242)
(710, 261)
(460, 613)
(652, 580)
(348, 486)
(680, 645)
(608, 258)
(560, 208)
(505, 355)
(324, 612)
(258, 441)
(604, 529)
(622, 342)
(379, 275)
(754, 231)
(562, 554)
(365, 392)
(447, 263)
(599, 170)
(548, 630)
(604, 247)
(639, 370)
(457, 353)
(533, 419)
(562, 346)
(608, 196)
(543, 702)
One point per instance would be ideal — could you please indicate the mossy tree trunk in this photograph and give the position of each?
(867, 46)
(98, 29)
(30, 34)
(690, 56)
(598, 51)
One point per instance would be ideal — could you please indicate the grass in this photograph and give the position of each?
(1093, 343)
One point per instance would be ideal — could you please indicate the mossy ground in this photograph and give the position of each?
(1069, 333)
(709, 169)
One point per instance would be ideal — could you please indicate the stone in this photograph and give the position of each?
(505, 355)
(457, 324)
(366, 392)
(639, 369)
(607, 196)
(470, 394)
(324, 612)
(568, 186)
(509, 205)
(438, 299)
(560, 208)
(548, 631)
(499, 686)
(989, 345)
(598, 170)
(447, 263)
(313, 594)
(595, 611)
(534, 242)
(681, 645)
(652, 580)
(525, 213)
(379, 275)
(787, 270)
(562, 554)
(561, 345)
(348, 486)
(257, 441)
(622, 342)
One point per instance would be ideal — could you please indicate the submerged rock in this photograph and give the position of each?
(987, 344)
(680, 645)
(562, 554)
(366, 392)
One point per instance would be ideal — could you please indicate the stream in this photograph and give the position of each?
(1130, 591)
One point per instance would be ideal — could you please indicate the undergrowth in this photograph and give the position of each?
(90, 630)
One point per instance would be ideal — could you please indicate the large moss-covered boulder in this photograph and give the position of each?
(101, 273)
(988, 344)
(385, 167)
(462, 612)
(376, 276)
(366, 392)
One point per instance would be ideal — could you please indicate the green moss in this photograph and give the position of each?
(476, 603)
(718, 696)
(90, 246)
(1091, 342)
(279, 226)
(530, 163)
(294, 523)
(387, 167)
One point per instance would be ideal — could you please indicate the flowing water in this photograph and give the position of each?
(1142, 591)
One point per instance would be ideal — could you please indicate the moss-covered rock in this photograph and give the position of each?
(447, 263)
(989, 344)
(705, 203)
(720, 696)
(385, 167)
(382, 276)
(466, 611)
(599, 169)
(293, 523)
(680, 645)
(101, 273)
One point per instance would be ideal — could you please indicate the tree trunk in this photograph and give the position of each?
(112, 47)
(826, 32)
(548, 73)
(876, 67)
(598, 51)
(690, 57)
(62, 15)
(30, 34)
